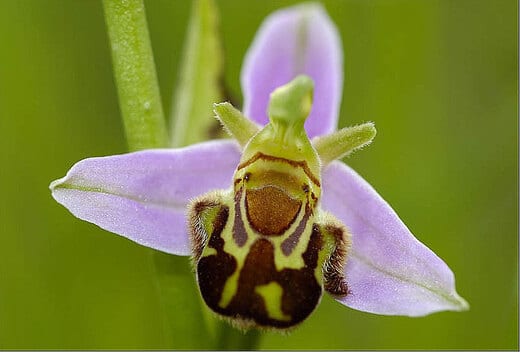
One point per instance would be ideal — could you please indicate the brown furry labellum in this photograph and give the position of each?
(263, 252)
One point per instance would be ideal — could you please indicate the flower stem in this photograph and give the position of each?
(145, 128)
(143, 117)
(233, 339)
(134, 71)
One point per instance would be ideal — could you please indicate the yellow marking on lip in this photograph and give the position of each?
(230, 289)
(209, 251)
(272, 295)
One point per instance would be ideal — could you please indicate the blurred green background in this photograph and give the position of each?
(438, 77)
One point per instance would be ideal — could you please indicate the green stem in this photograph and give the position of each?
(233, 339)
(141, 107)
(134, 71)
(145, 127)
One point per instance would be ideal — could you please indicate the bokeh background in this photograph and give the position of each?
(438, 77)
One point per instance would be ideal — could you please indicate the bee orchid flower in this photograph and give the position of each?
(272, 218)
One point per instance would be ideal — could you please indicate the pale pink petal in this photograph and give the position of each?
(143, 195)
(297, 40)
(389, 271)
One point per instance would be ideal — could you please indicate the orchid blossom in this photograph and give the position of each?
(144, 196)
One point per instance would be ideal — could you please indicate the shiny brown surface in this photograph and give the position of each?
(214, 270)
(270, 210)
(301, 290)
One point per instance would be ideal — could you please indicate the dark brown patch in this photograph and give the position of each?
(302, 164)
(270, 210)
(301, 291)
(258, 270)
(239, 230)
(198, 235)
(335, 284)
(333, 275)
(214, 270)
(290, 242)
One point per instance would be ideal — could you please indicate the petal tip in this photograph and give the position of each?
(459, 303)
(299, 39)
(56, 183)
(389, 270)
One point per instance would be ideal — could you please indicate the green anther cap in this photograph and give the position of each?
(285, 135)
(291, 104)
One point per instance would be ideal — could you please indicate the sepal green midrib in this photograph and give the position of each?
(55, 186)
